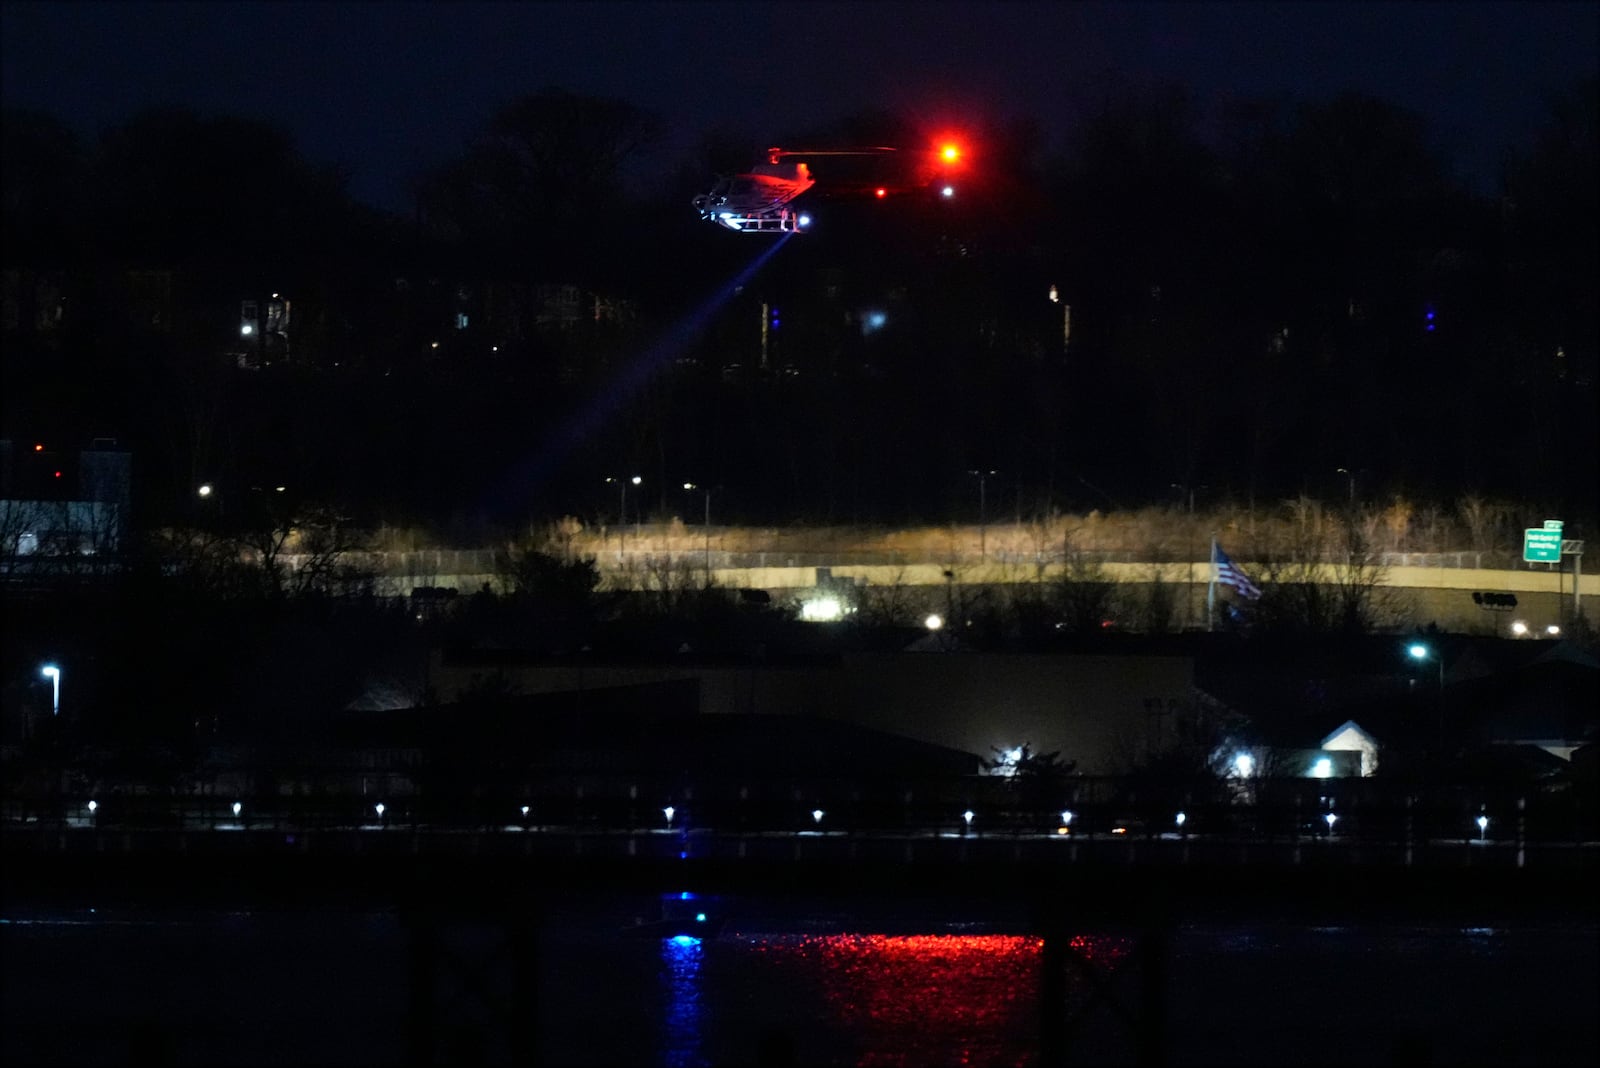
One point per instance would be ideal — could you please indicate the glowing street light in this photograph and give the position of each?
(1322, 769)
(92, 806)
(1332, 819)
(204, 490)
(669, 812)
(1181, 819)
(816, 815)
(524, 811)
(53, 673)
(1066, 818)
(934, 621)
(1483, 826)
(967, 815)
(1244, 765)
(237, 808)
(378, 808)
(1518, 627)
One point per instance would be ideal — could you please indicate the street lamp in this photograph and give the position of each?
(622, 505)
(1351, 476)
(705, 525)
(983, 511)
(669, 812)
(816, 815)
(1419, 651)
(53, 673)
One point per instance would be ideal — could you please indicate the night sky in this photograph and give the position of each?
(385, 89)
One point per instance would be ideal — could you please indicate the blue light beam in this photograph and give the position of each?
(530, 472)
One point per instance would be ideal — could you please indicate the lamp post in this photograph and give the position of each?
(983, 511)
(1420, 651)
(705, 525)
(622, 508)
(53, 673)
(1351, 475)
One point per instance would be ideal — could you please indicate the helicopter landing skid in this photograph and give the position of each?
(776, 222)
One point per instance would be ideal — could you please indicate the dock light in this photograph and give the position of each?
(92, 806)
(1483, 826)
(378, 808)
(816, 815)
(1181, 819)
(669, 812)
(1332, 819)
(1244, 764)
(1322, 769)
(237, 808)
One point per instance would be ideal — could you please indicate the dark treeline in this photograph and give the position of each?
(1258, 297)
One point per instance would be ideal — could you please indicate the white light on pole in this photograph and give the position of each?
(204, 489)
(669, 812)
(1322, 769)
(1483, 827)
(967, 815)
(92, 806)
(378, 808)
(237, 808)
(1181, 819)
(1244, 764)
(816, 815)
(934, 621)
(1332, 819)
(53, 673)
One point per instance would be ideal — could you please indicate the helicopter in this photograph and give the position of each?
(762, 200)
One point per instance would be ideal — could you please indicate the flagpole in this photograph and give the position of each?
(1211, 588)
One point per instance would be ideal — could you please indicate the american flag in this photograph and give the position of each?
(1230, 574)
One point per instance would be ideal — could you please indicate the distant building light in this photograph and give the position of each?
(821, 610)
(1552, 630)
(1322, 769)
(434, 345)
(204, 490)
(1518, 627)
(934, 621)
(1244, 764)
(246, 330)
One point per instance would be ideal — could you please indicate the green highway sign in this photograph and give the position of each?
(1541, 545)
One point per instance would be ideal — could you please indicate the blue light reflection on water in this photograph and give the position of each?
(682, 1031)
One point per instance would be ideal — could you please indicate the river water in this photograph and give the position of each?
(796, 984)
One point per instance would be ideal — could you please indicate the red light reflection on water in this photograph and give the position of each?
(933, 999)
